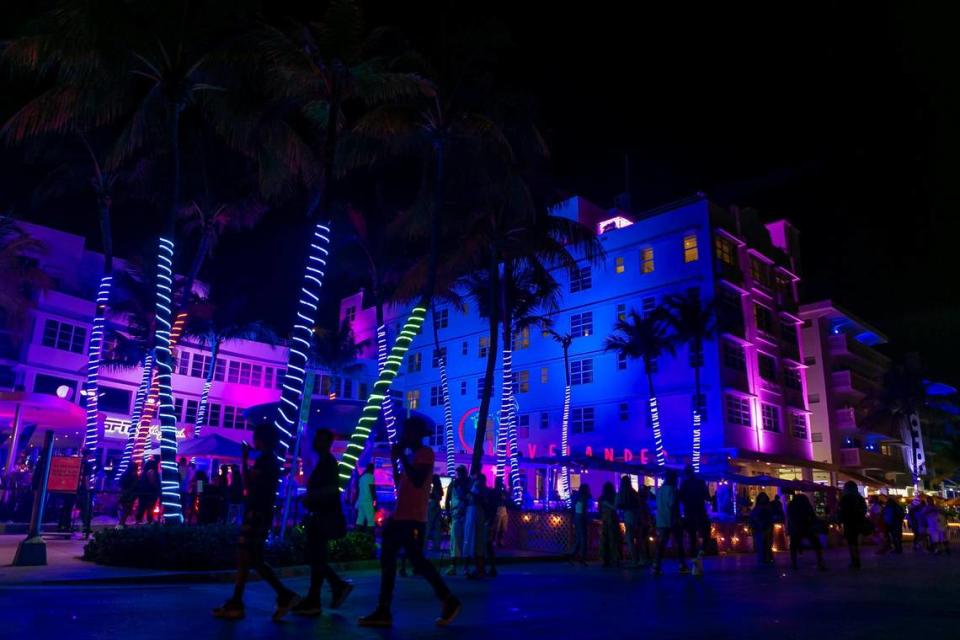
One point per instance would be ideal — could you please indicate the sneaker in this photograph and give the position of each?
(284, 604)
(451, 608)
(229, 610)
(379, 618)
(340, 595)
(309, 607)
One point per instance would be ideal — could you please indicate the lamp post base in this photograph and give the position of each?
(31, 552)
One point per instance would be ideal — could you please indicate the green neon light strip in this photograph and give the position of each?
(381, 390)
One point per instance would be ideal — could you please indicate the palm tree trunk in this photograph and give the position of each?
(138, 404)
(444, 397)
(169, 474)
(207, 383)
(386, 407)
(203, 248)
(484, 412)
(565, 425)
(654, 416)
(695, 456)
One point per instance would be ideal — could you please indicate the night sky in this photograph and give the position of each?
(841, 116)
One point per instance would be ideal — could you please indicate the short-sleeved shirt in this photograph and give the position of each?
(264, 478)
(411, 499)
(364, 495)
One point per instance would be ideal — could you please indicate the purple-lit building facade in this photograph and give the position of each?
(753, 378)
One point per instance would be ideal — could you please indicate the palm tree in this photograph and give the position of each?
(212, 325)
(564, 340)
(335, 351)
(20, 278)
(644, 337)
(693, 323)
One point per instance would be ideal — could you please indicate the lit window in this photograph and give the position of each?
(690, 251)
(544, 375)
(620, 266)
(581, 371)
(767, 366)
(624, 411)
(521, 381)
(482, 350)
(415, 362)
(771, 417)
(621, 361)
(738, 410)
(437, 354)
(443, 318)
(580, 279)
(621, 312)
(521, 339)
(436, 398)
(581, 419)
(725, 250)
(349, 314)
(798, 425)
(544, 420)
(413, 399)
(646, 260)
(581, 324)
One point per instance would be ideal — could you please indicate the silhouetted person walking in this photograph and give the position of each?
(668, 521)
(802, 525)
(413, 465)
(853, 515)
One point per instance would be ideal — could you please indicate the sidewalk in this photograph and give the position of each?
(65, 567)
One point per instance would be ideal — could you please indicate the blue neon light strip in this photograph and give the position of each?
(92, 385)
(169, 474)
(138, 407)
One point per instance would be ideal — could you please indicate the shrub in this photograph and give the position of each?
(207, 547)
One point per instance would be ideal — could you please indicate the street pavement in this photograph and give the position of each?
(913, 594)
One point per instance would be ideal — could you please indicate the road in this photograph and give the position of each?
(912, 594)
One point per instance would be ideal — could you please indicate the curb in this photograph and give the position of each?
(227, 575)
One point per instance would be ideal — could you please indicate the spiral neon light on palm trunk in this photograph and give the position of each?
(506, 407)
(138, 406)
(202, 409)
(696, 440)
(448, 443)
(389, 419)
(513, 452)
(92, 386)
(300, 340)
(657, 435)
(169, 474)
(565, 444)
(381, 390)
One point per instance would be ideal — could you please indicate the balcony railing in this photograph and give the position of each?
(850, 457)
(845, 418)
(843, 346)
(851, 382)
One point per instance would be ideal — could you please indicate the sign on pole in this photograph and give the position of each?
(64, 471)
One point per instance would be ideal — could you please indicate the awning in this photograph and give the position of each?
(210, 446)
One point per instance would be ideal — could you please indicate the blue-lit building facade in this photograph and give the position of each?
(754, 411)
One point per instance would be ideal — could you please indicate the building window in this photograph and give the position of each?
(760, 271)
(199, 365)
(621, 361)
(256, 375)
(233, 372)
(621, 312)
(738, 410)
(788, 333)
(463, 387)
(347, 388)
(521, 381)
(764, 318)
(581, 371)
(580, 279)
(413, 399)
(733, 357)
(767, 366)
(813, 398)
(213, 415)
(281, 377)
(523, 426)
(464, 348)
(178, 408)
(245, 373)
(183, 363)
(544, 375)
(544, 420)
(690, 251)
(191, 415)
(581, 419)
(619, 267)
(798, 425)
(648, 304)
(443, 318)
(791, 378)
(219, 369)
(483, 346)
(63, 336)
(480, 387)
(624, 411)
(581, 324)
(415, 363)
(726, 251)
(521, 339)
(350, 314)
(362, 390)
(268, 377)
(646, 260)
(229, 414)
(437, 354)
(770, 416)
(699, 404)
(436, 398)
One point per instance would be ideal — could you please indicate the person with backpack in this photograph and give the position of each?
(893, 522)
(802, 525)
(261, 480)
(456, 506)
(668, 521)
(325, 522)
(852, 513)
